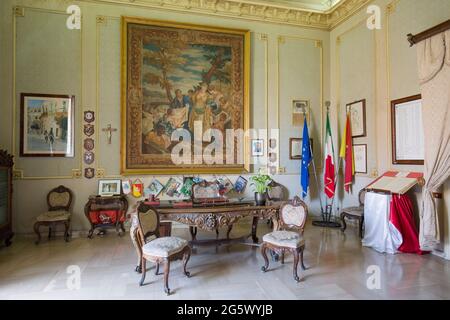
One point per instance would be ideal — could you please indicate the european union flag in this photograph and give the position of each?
(306, 160)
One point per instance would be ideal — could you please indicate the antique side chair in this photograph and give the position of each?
(59, 200)
(160, 249)
(355, 213)
(290, 236)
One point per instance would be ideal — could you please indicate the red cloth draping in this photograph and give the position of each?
(401, 216)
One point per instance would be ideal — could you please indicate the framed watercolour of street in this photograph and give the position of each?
(357, 111)
(178, 82)
(46, 125)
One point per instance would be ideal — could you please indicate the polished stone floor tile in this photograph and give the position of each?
(337, 268)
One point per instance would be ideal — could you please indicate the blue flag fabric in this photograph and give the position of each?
(306, 159)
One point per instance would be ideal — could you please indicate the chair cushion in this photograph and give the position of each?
(59, 215)
(164, 246)
(354, 211)
(289, 239)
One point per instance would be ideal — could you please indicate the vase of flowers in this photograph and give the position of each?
(261, 184)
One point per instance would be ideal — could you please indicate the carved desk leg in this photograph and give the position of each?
(193, 232)
(254, 229)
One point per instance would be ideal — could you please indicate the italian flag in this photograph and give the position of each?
(329, 162)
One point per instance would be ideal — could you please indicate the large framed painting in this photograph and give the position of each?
(46, 125)
(185, 98)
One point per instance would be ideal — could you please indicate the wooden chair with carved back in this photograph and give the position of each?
(355, 213)
(289, 237)
(59, 201)
(161, 249)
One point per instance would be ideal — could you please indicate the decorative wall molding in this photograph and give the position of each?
(253, 10)
(19, 174)
(339, 40)
(19, 11)
(319, 45)
(76, 173)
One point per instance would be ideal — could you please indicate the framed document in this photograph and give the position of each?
(295, 148)
(360, 153)
(357, 111)
(407, 130)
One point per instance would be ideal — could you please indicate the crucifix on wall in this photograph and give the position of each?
(109, 130)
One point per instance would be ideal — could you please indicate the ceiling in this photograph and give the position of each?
(307, 5)
(321, 14)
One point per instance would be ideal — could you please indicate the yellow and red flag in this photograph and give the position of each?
(347, 153)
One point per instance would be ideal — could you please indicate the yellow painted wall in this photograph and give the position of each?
(287, 64)
(40, 55)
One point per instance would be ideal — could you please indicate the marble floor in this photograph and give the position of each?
(337, 269)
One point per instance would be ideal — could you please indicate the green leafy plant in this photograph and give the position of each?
(261, 183)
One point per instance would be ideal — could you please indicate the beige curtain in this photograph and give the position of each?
(433, 56)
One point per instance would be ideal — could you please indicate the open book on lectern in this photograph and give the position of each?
(395, 182)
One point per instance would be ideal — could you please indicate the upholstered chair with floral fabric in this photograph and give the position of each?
(59, 201)
(289, 237)
(160, 249)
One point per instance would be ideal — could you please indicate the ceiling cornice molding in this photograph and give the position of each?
(252, 10)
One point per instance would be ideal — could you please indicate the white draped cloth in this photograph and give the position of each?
(379, 233)
(433, 57)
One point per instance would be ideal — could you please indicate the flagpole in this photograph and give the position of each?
(314, 166)
(326, 215)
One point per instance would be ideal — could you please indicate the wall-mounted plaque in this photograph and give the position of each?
(407, 130)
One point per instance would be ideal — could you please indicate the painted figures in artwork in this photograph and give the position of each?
(47, 124)
(184, 83)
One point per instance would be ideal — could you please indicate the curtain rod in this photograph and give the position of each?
(413, 39)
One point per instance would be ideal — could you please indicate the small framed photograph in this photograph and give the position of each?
(299, 108)
(240, 184)
(46, 125)
(172, 187)
(109, 187)
(225, 185)
(357, 111)
(360, 154)
(126, 186)
(295, 148)
(155, 187)
(257, 147)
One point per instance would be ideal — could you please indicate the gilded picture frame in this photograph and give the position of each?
(167, 69)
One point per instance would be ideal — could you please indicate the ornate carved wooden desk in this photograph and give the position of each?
(210, 217)
(104, 212)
